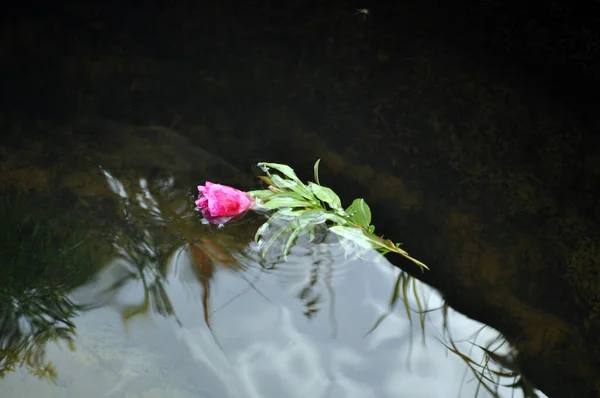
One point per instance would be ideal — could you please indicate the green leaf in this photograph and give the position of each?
(261, 230)
(289, 194)
(280, 215)
(380, 244)
(335, 218)
(294, 186)
(290, 241)
(313, 217)
(360, 213)
(284, 169)
(287, 213)
(274, 238)
(301, 221)
(316, 168)
(265, 179)
(262, 194)
(383, 246)
(281, 182)
(312, 234)
(354, 234)
(285, 201)
(327, 195)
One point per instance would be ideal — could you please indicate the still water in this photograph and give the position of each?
(103, 239)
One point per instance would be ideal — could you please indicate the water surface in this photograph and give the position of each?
(158, 304)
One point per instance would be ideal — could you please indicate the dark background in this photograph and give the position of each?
(488, 108)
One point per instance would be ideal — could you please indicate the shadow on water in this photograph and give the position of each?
(108, 258)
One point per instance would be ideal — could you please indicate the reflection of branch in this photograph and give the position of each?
(148, 255)
(329, 286)
(156, 223)
(45, 253)
(28, 324)
(307, 295)
(490, 379)
(404, 282)
(203, 268)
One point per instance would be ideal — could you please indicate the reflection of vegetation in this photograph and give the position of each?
(205, 254)
(37, 318)
(44, 254)
(147, 258)
(494, 368)
(158, 223)
(405, 285)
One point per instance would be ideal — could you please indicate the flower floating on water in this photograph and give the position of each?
(221, 203)
(299, 207)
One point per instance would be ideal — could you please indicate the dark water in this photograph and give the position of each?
(469, 128)
(112, 257)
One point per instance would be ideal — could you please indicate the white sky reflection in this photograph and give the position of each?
(264, 348)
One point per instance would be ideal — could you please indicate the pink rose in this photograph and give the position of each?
(220, 203)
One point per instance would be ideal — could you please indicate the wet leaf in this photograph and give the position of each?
(288, 194)
(261, 230)
(327, 195)
(316, 169)
(285, 201)
(289, 213)
(282, 168)
(335, 218)
(265, 179)
(313, 217)
(294, 186)
(360, 213)
(354, 234)
(262, 194)
(290, 241)
(273, 239)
